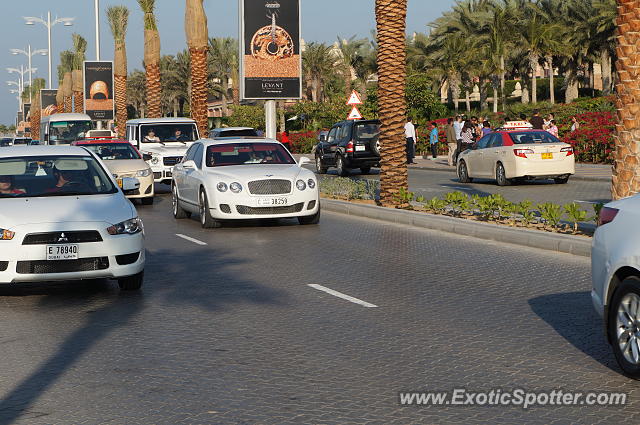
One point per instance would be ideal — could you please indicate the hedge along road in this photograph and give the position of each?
(431, 183)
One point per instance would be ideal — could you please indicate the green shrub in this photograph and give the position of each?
(575, 214)
(458, 201)
(551, 214)
(436, 205)
(342, 187)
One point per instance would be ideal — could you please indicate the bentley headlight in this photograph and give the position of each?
(235, 187)
(301, 185)
(128, 227)
(144, 173)
(311, 183)
(222, 187)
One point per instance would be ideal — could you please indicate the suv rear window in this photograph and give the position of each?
(531, 137)
(367, 131)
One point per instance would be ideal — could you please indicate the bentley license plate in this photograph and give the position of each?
(272, 202)
(62, 252)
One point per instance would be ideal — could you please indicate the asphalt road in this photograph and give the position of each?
(431, 183)
(227, 330)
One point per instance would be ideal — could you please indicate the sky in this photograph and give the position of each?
(322, 21)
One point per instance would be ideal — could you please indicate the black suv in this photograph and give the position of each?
(350, 144)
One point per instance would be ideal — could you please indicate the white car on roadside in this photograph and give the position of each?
(239, 179)
(517, 155)
(615, 273)
(63, 217)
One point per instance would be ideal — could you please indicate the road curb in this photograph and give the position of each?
(449, 170)
(488, 231)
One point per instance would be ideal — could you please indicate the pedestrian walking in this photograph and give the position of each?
(433, 140)
(575, 124)
(537, 121)
(553, 128)
(452, 140)
(284, 139)
(457, 125)
(412, 139)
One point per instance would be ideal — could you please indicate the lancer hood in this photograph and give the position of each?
(110, 208)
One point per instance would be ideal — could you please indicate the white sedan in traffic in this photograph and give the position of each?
(615, 273)
(237, 179)
(63, 217)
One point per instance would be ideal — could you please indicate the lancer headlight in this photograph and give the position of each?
(144, 173)
(235, 187)
(222, 187)
(155, 160)
(311, 183)
(127, 227)
(301, 185)
(6, 235)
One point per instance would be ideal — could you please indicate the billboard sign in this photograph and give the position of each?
(26, 108)
(270, 56)
(48, 103)
(98, 90)
(20, 117)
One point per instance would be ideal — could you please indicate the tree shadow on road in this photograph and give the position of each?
(572, 316)
(196, 277)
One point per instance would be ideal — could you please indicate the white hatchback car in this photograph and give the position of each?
(239, 179)
(517, 155)
(63, 217)
(615, 273)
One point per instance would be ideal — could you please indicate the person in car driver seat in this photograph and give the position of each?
(66, 181)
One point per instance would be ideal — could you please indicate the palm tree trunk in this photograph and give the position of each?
(467, 100)
(281, 115)
(78, 102)
(534, 78)
(391, 34)
(34, 122)
(552, 90)
(120, 83)
(68, 104)
(176, 105)
(199, 88)
(495, 100)
(154, 90)
(502, 83)
(484, 104)
(606, 71)
(626, 173)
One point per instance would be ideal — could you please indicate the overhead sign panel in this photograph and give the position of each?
(98, 90)
(270, 57)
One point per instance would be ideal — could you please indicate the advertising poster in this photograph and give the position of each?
(20, 117)
(271, 63)
(48, 102)
(98, 90)
(27, 108)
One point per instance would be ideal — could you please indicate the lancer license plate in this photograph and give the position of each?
(62, 252)
(547, 155)
(272, 202)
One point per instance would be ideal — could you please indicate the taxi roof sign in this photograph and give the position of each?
(517, 125)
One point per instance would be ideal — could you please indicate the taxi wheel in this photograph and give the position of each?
(178, 212)
(463, 173)
(206, 220)
(561, 180)
(131, 283)
(501, 176)
(623, 327)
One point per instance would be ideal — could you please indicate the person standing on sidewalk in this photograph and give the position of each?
(537, 121)
(457, 125)
(452, 140)
(412, 139)
(468, 136)
(433, 140)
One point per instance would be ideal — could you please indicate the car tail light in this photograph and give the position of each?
(350, 147)
(522, 153)
(607, 215)
(568, 150)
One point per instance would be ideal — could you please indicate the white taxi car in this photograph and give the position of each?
(508, 155)
(63, 217)
(239, 179)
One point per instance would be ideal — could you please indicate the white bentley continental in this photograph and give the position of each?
(63, 217)
(239, 179)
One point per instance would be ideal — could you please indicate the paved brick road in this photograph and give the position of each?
(230, 333)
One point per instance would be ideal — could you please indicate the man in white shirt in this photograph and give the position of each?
(457, 126)
(412, 139)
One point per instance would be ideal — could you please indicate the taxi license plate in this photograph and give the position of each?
(272, 202)
(62, 252)
(119, 183)
(547, 155)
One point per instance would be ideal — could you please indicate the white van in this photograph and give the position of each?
(163, 142)
(64, 129)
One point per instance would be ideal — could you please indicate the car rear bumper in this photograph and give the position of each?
(542, 169)
(364, 161)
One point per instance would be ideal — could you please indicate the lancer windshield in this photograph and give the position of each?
(247, 154)
(170, 132)
(24, 177)
(531, 137)
(65, 132)
(113, 151)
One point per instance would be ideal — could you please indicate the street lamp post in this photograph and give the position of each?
(31, 20)
(23, 71)
(29, 55)
(97, 11)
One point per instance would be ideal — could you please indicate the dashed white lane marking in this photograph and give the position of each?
(343, 296)
(185, 237)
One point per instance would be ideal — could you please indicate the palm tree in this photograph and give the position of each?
(350, 58)
(118, 17)
(223, 66)
(79, 49)
(391, 23)
(198, 41)
(35, 116)
(626, 181)
(151, 58)
(136, 87)
(318, 64)
(604, 22)
(65, 73)
(500, 30)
